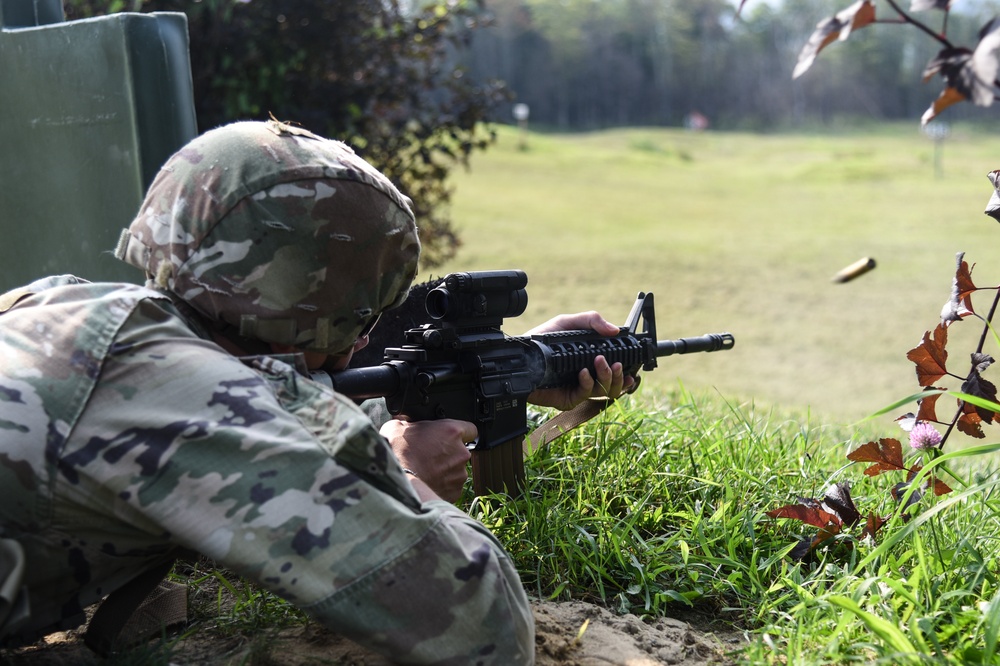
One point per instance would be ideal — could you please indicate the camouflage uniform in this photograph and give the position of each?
(126, 432)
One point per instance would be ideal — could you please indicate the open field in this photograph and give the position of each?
(742, 233)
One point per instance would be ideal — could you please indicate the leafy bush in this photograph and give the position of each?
(373, 73)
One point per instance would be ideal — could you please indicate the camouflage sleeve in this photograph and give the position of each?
(274, 476)
(376, 411)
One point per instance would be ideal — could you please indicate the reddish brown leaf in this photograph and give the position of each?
(838, 500)
(825, 535)
(948, 97)
(887, 454)
(930, 356)
(828, 30)
(982, 388)
(963, 280)
(927, 411)
(969, 422)
(809, 511)
(940, 487)
(872, 526)
(804, 549)
(874, 451)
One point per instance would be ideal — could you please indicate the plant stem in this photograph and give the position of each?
(920, 26)
(989, 320)
(979, 350)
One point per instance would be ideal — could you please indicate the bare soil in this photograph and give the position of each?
(572, 633)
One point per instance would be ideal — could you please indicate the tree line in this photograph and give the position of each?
(587, 64)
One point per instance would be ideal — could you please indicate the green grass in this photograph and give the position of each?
(743, 232)
(662, 508)
(659, 509)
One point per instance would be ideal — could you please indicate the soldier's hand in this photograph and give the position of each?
(435, 451)
(611, 380)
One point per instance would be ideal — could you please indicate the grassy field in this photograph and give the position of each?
(661, 511)
(742, 233)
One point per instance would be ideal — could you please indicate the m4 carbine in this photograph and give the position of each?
(462, 366)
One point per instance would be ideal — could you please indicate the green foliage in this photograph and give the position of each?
(379, 75)
(648, 510)
(927, 583)
(660, 512)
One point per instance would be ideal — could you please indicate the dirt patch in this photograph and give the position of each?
(583, 634)
(572, 633)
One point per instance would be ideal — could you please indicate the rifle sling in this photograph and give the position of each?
(563, 422)
(137, 611)
(11, 298)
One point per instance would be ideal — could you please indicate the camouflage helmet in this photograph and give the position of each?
(286, 236)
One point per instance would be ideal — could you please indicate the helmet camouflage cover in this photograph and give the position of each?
(287, 236)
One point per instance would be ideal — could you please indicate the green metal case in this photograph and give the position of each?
(90, 111)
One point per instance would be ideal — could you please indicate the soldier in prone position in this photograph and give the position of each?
(139, 421)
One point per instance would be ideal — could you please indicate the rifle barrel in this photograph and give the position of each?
(702, 343)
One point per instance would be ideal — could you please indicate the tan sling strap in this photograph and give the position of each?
(11, 298)
(141, 609)
(500, 469)
(563, 422)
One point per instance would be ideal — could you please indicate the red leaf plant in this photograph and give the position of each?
(835, 512)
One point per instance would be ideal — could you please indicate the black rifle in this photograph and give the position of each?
(464, 367)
